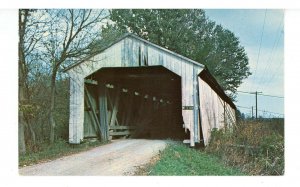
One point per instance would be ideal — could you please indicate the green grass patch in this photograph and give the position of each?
(52, 151)
(180, 160)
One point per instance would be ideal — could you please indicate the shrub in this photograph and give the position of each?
(256, 147)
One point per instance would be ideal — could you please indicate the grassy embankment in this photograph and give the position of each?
(180, 160)
(256, 147)
(250, 148)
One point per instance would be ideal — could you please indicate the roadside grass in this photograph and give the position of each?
(180, 160)
(255, 147)
(56, 150)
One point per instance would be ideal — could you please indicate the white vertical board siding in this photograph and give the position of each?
(205, 107)
(132, 49)
(177, 65)
(230, 118)
(110, 57)
(76, 109)
(125, 53)
(196, 101)
(187, 99)
(158, 57)
(212, 111)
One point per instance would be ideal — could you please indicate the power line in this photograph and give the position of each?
(261, 94)
(270, 78)
(256, 93)
(260, 110)
(246, 92)
(275, 45)
(261, 36)
(244, 107)
(275, 73)
(271, 96)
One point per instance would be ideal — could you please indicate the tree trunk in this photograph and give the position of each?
(22, 146)
(22, 122)
(33, 137)
(52, 105)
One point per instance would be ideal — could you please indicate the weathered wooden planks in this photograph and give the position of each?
(93, 110)
(122, 133)
(90, 81)
(115, 107)
(215, 112)
(103, 112)
(121, 127)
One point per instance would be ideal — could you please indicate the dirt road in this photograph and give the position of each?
(120, 157)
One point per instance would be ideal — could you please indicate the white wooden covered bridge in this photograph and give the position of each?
(134, 88)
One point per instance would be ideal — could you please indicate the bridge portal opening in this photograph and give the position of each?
(133, 102)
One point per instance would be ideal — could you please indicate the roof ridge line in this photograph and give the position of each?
(128, 34)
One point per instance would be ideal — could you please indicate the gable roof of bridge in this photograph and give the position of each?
(138, 38)
(205, 75)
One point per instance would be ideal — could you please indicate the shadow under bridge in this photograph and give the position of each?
(133, 102)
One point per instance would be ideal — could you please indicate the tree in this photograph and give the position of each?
(49, 40)
(109, 34)
(240, 116)
(29, 37)
(69, 37)
(23, 16)
(189, 33)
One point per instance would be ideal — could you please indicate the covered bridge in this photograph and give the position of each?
(134, 88)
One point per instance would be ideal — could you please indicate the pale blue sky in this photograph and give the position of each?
(261, 32)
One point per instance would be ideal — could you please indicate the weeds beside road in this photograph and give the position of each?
(256, 147)
(181, 160)
(250, 148)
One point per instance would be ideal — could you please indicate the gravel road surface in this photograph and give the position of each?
(121, 157)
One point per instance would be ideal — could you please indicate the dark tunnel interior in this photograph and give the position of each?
(142, 102)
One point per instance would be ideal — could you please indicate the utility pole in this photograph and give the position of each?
(256, 108)
(256, 103)
(256, 93)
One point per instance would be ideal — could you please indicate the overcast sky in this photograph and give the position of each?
(261, 32)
